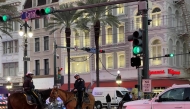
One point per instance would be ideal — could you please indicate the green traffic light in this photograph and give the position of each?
(171, 55)
(4, 18)
(47, 10)
(137, 50)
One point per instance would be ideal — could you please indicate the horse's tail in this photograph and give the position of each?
(9, 103)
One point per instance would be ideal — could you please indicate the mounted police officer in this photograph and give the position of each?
(79, 87)
(29, 87)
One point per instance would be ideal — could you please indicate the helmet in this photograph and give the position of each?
(29, 73)
(76, 75)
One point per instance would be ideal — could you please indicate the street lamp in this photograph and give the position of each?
(9, 85)
(118, 78)
(26, 34)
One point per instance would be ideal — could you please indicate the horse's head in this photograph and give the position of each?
(54, 94)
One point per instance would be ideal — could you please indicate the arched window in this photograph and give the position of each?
(169, 18)
(156, 51)
(138, 21)
(156, 17)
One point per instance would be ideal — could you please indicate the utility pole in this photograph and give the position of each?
(143, 7)
(55, 72)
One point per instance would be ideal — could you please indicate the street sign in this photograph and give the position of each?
(146, 85)
(26, 58)
(31, 14)
(92, 50)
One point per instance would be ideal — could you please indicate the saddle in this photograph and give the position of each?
(85, 97)
(31, 100)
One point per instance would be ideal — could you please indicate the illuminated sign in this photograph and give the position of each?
(173, 72)
(157, 72)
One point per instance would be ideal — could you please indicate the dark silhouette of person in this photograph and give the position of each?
(108, 100)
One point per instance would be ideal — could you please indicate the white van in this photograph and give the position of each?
(116, 94)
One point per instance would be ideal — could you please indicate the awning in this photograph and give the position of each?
(3, 90)
(65, 86)
(155, 83)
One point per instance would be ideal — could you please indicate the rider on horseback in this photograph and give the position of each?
(28, 87)
(79, 87)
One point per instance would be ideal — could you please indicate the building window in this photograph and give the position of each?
(10, 47)
(138, 21)
(120, 9)
(10, 69)
(121, 34)
(37, 25)
(46, 43)
(79, 64)
(4, 47)
(77, 38)
(46, 66)
(156, 17)
(109, 61)
(37, 63)
(156, 52)
(109, 38)
(16, 46)
(45, 19)
(100, 61)
(100, 37)
(37, 44)
(34, 3)
(15, 26)
(121, 59)
(86, 39)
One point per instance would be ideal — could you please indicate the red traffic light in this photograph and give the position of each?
(102, 51)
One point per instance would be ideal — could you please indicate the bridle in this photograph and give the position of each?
(55, 94)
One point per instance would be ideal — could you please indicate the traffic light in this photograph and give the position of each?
(169, 55)
(59, 73)
(86, 49)
(5, 18)
(135, 61)
(137, 42)
(45, 11)
(102, 51)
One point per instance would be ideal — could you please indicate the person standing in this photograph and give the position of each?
(108, 100)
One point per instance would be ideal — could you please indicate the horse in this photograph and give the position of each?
(70, 100)
(17, 100)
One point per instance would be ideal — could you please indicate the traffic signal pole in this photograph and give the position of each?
(143, 7)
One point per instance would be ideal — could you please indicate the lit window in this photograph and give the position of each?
(77, 38)
(120, 9)
(86, 39)
(79, 64)
(156, 17)
(109, 61)
(138, 21)
(121, 34)
(100, 61)
(121, 60)
(109, 39)
(156, 52)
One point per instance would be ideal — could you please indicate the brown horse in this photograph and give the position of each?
(17, 100)
(70, 100)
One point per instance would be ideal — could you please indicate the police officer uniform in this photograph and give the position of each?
(28, 87)
(80, 86)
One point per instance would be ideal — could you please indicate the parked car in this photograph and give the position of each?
(177, 96)
(116, 94)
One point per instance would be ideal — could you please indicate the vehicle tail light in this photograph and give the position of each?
(124, 107)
